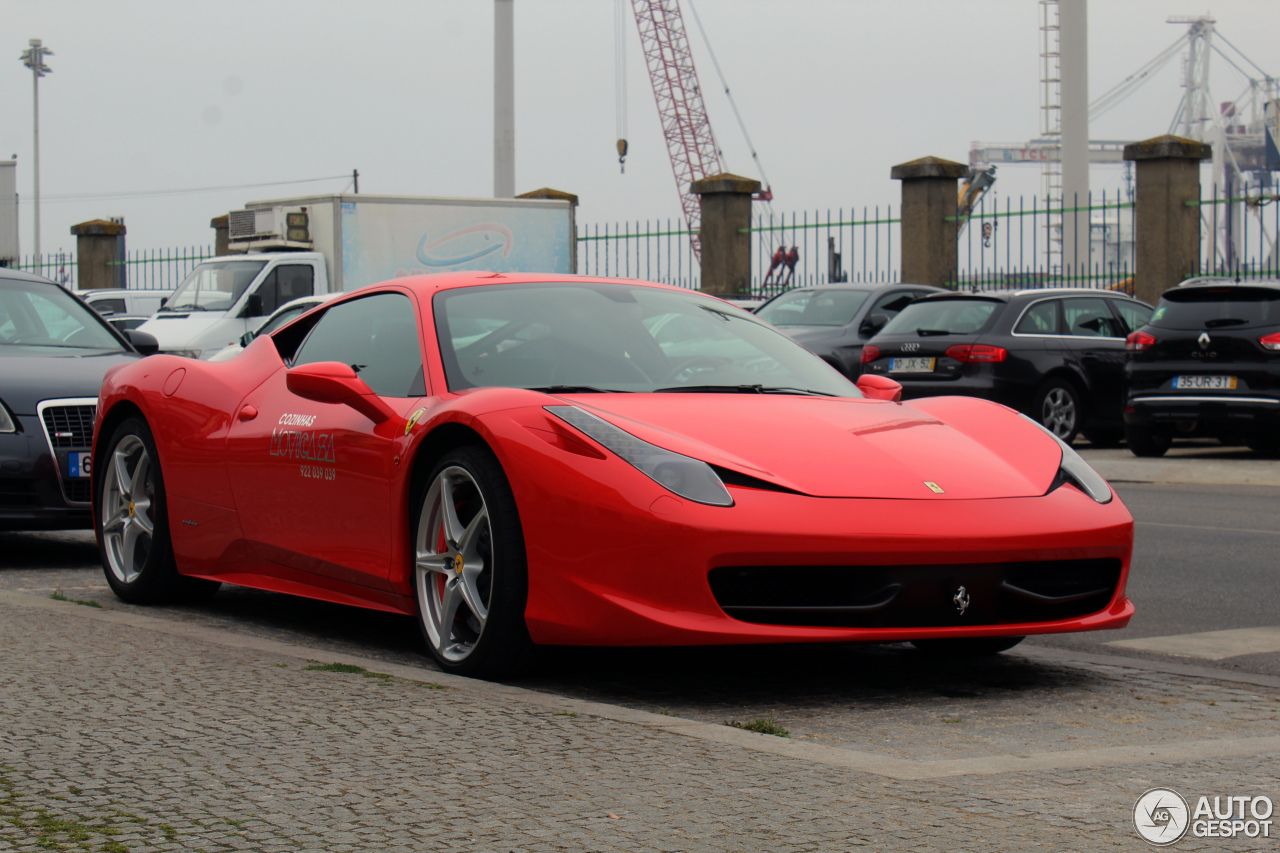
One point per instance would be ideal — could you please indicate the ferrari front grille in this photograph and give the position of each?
(922, 596)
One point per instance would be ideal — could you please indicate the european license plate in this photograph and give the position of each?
(911, 365)
(79, 464)
(1205, 383)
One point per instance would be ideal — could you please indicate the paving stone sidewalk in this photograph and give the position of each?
(124, 732)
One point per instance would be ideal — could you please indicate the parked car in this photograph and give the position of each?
(282, 315)
(54, 351)
(1055, 354)
(835, 320)
(524, 459)
(125, 322)
(116, 301)
(1206, 364)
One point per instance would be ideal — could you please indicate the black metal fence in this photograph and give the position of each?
(144, 269)
(1024, 245)
(1241, 235)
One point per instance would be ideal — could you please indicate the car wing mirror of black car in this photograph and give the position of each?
(873, 324)
(334, 382)
(144, 342)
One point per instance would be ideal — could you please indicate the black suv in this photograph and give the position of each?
(1206, 364)
(1056, 354)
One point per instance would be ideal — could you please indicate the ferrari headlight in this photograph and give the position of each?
(7, 423)
(1078, 472)
(687, 477)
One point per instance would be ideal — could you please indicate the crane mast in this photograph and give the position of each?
(690, 143)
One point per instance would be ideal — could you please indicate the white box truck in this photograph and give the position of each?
(287, 248)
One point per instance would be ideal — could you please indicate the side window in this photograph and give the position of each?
(378, 336)
(891, 303)
(1134, 314)
(1040, 319)
(1089, 316)
(108, 306)
(286, 283)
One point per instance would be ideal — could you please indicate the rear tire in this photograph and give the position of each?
(966, 647)
(133, 524)
(1147, 441)
(470, 574)
(1059, 407)
(1265, 443)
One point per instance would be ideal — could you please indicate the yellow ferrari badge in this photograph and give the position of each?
(413, 420)
(934, 487)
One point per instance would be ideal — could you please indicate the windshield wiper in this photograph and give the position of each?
(740, 389)
(927, 333)
(1224, 321)
(576, 389)
(191, 306)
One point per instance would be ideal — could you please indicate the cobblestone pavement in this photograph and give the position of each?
(159, 730)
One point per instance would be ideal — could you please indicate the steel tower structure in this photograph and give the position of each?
(690, 143)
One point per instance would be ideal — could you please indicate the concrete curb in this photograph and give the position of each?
(860, 761)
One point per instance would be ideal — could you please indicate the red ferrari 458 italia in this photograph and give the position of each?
(520, 460)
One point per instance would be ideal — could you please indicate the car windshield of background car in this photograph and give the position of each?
(942, 317)
(814, 307)
(213, 286)
(616, 337)
(38, 315)
(1218, 308)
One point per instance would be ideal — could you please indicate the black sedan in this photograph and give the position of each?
(1207, 364)
(835, 320)
(54, 351)
(1056, 354)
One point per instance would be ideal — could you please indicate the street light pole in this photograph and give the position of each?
(33, 58)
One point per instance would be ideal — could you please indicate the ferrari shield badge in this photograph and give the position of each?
(934, 487)
(413, 421)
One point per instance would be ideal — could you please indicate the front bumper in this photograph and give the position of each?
(37, 489)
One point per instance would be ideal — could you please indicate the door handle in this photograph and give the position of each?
(248, 413)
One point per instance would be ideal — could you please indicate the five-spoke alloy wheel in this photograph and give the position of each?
(470, 577)
(133, 523)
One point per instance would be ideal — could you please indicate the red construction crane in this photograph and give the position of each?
(690, 143)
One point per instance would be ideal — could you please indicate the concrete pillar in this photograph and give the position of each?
(725, 200)
(221, 234)
(100, 259)
(548, 192)
(929, 226)
(1166, 230)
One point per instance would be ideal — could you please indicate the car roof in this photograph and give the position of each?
(1006, 295)
(19, 275)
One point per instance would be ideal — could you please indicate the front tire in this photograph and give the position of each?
(133, 524)
(1059, 407)
(470, 574)
(1147, 441)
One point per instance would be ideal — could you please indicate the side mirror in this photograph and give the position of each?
(143, 342)
(164, 301)
(253, 305)
(873, 324)
(246, 339)
(876, 387)
(334, 382)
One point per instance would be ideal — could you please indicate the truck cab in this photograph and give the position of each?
(224, 297)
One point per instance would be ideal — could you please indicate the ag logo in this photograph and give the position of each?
(1161, 816)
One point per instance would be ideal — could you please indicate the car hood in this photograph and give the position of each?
(848, 448)
(25, 380)
(182, 330)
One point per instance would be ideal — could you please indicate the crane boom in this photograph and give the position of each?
(690, 143)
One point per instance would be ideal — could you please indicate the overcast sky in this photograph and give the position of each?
(165, 96)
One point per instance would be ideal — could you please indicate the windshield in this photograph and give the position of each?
(44, 315)
(813, 307)
(942, 317)
(592, 336)
(1218, 308)
(213, 286)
